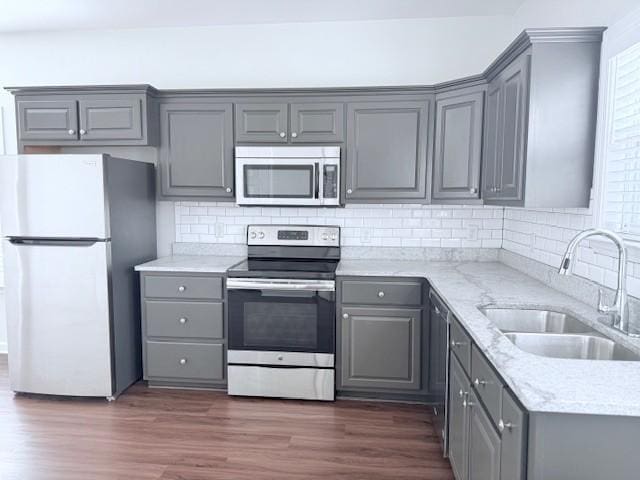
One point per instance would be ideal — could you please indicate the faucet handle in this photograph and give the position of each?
(602, 307)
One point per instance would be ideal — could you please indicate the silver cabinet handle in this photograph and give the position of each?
(182, 288)
(282, 134)
(461, 393)
(477, 382)
(437, 310)
(183, 361)
(502, 425)
(345, 315)
(182, 320)
(467, 403)
(82, 131)
(380, 294)
(280, 357)
(294, 135)
(228, 189)
(473, 190)
(455, 344)
(349, 191)
(71, 131)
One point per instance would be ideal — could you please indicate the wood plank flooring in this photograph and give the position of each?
(153, 434)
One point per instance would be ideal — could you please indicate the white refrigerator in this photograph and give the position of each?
(74, 227)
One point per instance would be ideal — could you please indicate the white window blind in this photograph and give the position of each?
(622, 158)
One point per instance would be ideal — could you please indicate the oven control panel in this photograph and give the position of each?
(294, 235)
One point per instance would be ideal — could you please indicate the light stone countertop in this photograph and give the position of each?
(542, 384)
(191, 264)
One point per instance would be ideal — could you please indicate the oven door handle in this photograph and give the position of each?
(258, 284)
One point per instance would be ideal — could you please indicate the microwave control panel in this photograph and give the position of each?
(330, 186)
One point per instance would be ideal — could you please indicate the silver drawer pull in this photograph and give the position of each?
(380, 294)
(455, 344)
(502, 425)
(477, 382)
(437, 310)
(183, 361)
(467, 403)
(182, 288)
(345, 315)
(461, 393)
(280, 357)
(182, 320)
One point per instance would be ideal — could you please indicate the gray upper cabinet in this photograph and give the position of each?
(262, 123)
(458, 147)
(313, 122)
(55, 120)
(317, 122)
(387, 151)
(111, 118)
(196, 150)
(70, 116)
(540, 120)
(380, 348)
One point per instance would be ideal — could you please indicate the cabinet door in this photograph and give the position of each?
(47, 120)
(386, 151)
(437, 351)
(111, 119)
(459, 388)
(458, 142)
(317, 122)
(196, 150)
(381, 348)
(484, 443)
(492, 154)
(513, 445)
(262, 122)
(515, 85)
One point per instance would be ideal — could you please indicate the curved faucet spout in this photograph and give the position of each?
(619, 310)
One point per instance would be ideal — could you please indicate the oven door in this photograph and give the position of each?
(275, 315)
(282, 181)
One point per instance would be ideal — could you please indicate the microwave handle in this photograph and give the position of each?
(317, 181)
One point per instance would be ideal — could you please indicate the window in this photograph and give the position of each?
(621, 211)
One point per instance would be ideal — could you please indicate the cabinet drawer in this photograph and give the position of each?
(371, 292)
(184, 319)
(188, 361)
(161, 286)
(461, 346)
(487, 384)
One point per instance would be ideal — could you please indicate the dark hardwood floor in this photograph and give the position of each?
(195, 435)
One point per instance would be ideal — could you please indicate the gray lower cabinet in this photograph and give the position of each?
(51, 120)
(126, 116)
(484, 443)
(386, 157)
(458, 147)
(459, 388)
(196, 150)
(381, 348)
(487, 426)
(183, 329)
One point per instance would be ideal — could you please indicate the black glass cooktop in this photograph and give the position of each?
(278, 268)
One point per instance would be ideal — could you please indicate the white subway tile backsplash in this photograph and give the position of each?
(402, 225)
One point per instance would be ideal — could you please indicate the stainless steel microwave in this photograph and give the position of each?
(298, 176)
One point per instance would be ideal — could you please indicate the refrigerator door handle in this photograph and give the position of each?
(55, 242)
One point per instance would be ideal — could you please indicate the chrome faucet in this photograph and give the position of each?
(619, 311)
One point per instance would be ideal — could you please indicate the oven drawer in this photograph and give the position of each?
(191, 287)
(184, 319)
(300, 383)
(377, 292)
(185, 361)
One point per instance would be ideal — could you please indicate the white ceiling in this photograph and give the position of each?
(34, 15)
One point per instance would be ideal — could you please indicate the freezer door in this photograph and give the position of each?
(53, 196)
(57, 302)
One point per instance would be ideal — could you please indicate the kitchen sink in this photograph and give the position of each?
(555, 334)
(532, 320)
(575, 346)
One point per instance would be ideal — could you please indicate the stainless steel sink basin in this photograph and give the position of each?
(575, 346)
(534, 321)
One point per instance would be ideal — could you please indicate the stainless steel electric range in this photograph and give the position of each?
(282, 313)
